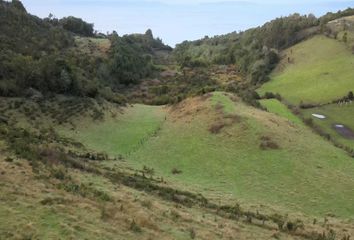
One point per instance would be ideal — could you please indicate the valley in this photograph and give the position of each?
(247, 135)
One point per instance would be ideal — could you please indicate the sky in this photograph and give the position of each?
(177, 20)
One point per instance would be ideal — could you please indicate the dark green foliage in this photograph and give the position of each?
(129, 63)
(332, 16)
(135, 227)
(77, 25)
(41, 54)
(29, 35)
(37, 54)
(253, 51)
(131, 57)
(176, 171)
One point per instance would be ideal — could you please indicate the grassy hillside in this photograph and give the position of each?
(274, 106)
(44, 207)
(320, 71)
(218, 144)
(122, 134)
(84, 201)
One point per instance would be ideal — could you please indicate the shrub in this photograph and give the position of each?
(176, 171)
(192, 233)
(268, 143)
(217, 127)
(148, 171)
(59, 172)
(175, 215)
(147, 204)
(9, 159)
(269, 95)
(135, 227)
(279, 220)
(308, 122)
(303, 105)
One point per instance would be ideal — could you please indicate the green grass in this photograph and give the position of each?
(274, 106)
(335, 115)
(296, 176)
(222, 99)
(122, 135)
(322, 71)
(306, 174)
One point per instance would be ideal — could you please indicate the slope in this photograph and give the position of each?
(222, 147)
(53, 188)
(315, 71)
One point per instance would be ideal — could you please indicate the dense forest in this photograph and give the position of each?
(41, 54)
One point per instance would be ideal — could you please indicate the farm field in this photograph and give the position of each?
(313, 74)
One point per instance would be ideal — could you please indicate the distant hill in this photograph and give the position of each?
(255, 51)
(316, 71)
(42, 54)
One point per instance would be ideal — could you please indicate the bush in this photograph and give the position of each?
(308, 121)
(192, 233)
(217, 127)
(269, 95)
(135, 227)
(59, 172)
(268, 143)
(176, 171)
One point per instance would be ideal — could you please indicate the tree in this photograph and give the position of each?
(149, 33)
(18, 4)
(77, 25)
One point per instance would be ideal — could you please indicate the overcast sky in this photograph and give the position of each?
(178, 20)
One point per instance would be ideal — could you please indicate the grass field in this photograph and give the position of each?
(121, 135)
(335, 114)
(274, 106)
(321, 70)
(293, 175)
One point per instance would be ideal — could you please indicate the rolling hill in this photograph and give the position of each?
(316, 71)
(122, 137)
(218, 144)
